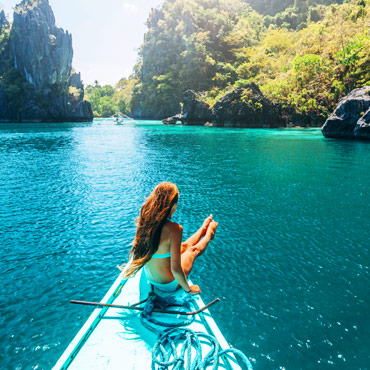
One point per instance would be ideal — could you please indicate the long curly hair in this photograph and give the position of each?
(153, 215)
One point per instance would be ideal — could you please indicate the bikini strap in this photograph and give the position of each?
(164, 255)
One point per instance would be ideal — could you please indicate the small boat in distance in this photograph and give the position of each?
(120, 118)
(115, 338)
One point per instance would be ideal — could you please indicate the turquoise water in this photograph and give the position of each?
(290, 259)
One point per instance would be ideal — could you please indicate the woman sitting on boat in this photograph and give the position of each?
(158, 246)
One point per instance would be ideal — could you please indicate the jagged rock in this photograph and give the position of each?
(75, 80)
(76, 83)
(42, 52)
(362, 129)
(195, 111)
(242, 107)
(65, 108)
(81, 112)
(246, 107)
(46, 90)
(351, 117)
(169, 121)
(4, 24)
(172, 120)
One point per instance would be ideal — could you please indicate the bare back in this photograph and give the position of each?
(159, 269)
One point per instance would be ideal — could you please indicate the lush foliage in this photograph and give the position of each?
(284, 7)
(314, 67)
(212, 46)
(190, 45)
(107, 100)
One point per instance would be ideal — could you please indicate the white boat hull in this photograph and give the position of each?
(115, 338)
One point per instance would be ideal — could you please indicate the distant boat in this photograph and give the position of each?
(120, 118)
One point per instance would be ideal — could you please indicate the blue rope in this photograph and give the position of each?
(155, 301)
(164, 354)
(165, 349)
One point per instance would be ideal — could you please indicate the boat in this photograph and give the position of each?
(114, 338)
(120, 118)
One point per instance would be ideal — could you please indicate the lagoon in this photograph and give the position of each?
(290, 259)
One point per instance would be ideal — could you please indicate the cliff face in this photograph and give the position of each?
(41, 54)
(4, 24)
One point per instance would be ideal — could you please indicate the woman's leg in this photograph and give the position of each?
(192, 252)
(195, 238)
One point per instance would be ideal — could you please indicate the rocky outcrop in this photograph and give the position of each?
(172, 120)
(242, 107)
(246, 107)
(351, 118)
(41, 53)
(195, 111)
(4, 24)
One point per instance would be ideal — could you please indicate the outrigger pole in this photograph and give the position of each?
(135, 307)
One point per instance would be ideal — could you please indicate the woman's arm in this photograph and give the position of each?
(176, 268)
(178, 273)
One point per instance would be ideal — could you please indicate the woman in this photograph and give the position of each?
(157, 246)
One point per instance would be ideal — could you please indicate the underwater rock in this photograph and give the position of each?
(351, 117)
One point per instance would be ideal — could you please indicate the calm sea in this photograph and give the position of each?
(290, 259)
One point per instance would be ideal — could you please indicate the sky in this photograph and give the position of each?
(106, 35)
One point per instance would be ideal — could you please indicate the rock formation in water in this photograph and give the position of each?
(41, 54)
(351, 118)
(246, 107)
(242, 107)
(195, 111)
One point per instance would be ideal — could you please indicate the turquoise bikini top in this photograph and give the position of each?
(165, 255)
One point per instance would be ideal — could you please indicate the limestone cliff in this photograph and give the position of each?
(4, 24)
(41, 54)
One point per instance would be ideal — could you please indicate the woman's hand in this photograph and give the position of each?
(194, 289)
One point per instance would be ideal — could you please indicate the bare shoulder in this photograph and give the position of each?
(173, 228)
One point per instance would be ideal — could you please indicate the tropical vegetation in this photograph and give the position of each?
(306, 55)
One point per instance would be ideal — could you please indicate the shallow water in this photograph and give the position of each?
(290, 259)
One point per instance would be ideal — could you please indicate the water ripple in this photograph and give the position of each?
(290, 260)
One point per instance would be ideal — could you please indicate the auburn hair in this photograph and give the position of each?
(153, 215)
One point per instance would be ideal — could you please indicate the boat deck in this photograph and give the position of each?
(114, 338)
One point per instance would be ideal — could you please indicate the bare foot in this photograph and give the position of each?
(211, 231)
(206, 223)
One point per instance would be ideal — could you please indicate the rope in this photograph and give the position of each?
(165, 355)
(155, 301)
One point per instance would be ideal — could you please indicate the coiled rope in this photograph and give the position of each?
(165, 354)
(155, 301)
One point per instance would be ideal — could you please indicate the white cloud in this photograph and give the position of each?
(132, 8)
